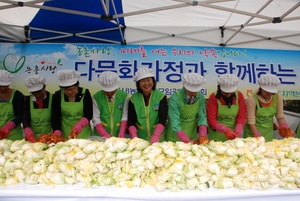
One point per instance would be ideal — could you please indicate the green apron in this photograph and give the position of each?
(226, 116)
(147, 116)
(71, 113)
(6, 115)
(298, 130)
(111, 112)
(264, 120)
(188, 120)
(40, 118)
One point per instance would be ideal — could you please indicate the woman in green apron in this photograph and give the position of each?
(187, 111)
(110, 107)
(37, 108)
(72, 107)
(262, 105)
(226, 110)
(147, 109)
(11, 108)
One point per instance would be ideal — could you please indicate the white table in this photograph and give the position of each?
(22, 192)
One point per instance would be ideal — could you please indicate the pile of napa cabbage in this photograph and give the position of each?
(248, 163)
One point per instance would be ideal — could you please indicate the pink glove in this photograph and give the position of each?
(57, 132)
(183, 137)
(101, 130)
(80, 124)
(122, 129)
(9, 126)
(202, 130)
(5, 130)
(29, 135)
(284, 125)
(157, 132)
(221, 128)
(132, 132)
(238, 130)
(257, 134)
(230, 135)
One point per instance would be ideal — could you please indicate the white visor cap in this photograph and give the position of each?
(5, 78)
(109, 81)
(193, 81)
(269, 82)
(35, 83)
(143, 73)
(228, 82)
(67, 77)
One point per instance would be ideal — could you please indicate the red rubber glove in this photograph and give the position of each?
(5, 130)
(29, 135)
(230, 135)
(80, 124)
(202, 130)
(101, 130)
(257, 134)
(157, 132)
(122, 129)
(183, 137)
(57, 132)
(238, 130)
(132, 132)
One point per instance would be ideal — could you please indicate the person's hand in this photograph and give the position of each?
(286, 132)
(57, 132)
(132, 131)
(183, 137)
(157, 132)
(79, 125)
(101, 130)
(230, 135)
(154, 139)
(3, 133)
(122, 129)
(202, 130)
(73, 134)
(257, 134)
(29, 135)
(203, 140)
(221, 128)
(5, 130)
(238, 130)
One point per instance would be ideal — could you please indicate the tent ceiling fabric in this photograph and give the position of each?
(267, 24)
(246, 23)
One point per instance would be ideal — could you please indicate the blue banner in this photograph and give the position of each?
(168, 64)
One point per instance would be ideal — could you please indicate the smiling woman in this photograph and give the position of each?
(148, 109)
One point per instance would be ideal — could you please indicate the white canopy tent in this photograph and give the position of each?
(270, 24)
(266, 24)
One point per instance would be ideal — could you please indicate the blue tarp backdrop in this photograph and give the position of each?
(66, 27)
